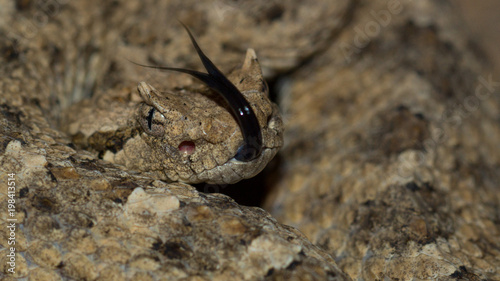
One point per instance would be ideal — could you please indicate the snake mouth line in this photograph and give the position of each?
(240, 108)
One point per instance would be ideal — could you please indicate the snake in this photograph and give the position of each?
(220, 133)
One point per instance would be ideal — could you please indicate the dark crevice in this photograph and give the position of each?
(254, 191)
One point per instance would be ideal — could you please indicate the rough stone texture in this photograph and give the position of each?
(85, 219)
(390, 162)
(480, 18)
(391, 156)
(82, 218)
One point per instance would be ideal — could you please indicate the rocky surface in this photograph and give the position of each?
(82, 218)
(390, 165)
(391, 157)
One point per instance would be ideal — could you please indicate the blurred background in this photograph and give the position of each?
(483, 23)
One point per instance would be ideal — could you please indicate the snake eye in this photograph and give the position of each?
(151, 121)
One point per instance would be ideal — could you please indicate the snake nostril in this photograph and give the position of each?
(187, 147)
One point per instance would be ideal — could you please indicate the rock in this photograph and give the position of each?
(391, 149)
(390, 164)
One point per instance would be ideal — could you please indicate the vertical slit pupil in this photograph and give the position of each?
(150, 117)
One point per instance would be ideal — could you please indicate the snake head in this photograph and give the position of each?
(196, 135)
